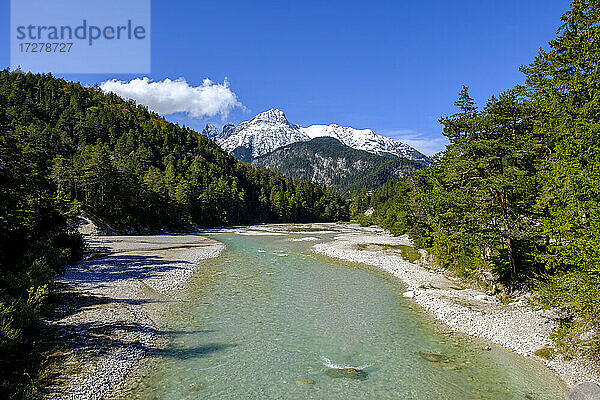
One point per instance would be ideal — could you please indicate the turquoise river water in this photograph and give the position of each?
(269, 319)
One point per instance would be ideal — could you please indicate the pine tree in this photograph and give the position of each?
(485, 186)
(564, 82)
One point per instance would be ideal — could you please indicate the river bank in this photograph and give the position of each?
(516, 326)
(110, 303)
(270, 319)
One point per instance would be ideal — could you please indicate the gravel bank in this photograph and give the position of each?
(110, 305)
(516, 326)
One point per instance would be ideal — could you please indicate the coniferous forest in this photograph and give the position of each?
(65, 149)
(513, 202)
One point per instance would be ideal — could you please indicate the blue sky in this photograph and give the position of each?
(392, 66)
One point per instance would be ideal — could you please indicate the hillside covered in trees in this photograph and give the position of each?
(514, 200)
(65, 148)
(327, 161)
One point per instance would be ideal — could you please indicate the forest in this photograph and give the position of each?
(65, 148)
(336, 165)
(513, 202)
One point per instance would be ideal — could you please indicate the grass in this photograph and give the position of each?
(545, 352)
(409, 253)
(568, 341)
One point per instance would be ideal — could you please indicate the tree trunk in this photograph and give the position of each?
(512, 259)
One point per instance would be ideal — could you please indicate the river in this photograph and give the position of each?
(269, 319)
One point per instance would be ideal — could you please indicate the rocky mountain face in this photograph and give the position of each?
(262, 134)
(211, 132)
(342, 157)
(327, 161)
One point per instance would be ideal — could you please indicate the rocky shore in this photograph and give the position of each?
(516, 326)
(112, 302)
(110, 305)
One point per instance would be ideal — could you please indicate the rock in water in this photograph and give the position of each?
(584, 391)
(352, 373)
(433, 357)
(305, 382)
(446, 366)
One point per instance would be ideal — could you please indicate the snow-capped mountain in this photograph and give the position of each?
(327, 161)
(211, 131)
(261, 135)
(364, 139)
(271, 130)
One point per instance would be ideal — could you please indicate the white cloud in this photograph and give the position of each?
(168, 96)
(426, 145)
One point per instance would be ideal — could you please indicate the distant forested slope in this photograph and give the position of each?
(327, 161)
(133, 168)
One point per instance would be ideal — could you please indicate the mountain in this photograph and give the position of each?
(364, 139)
(271, 130)
(211, 132)
(261, 135)
(326, 160)
(344, 158)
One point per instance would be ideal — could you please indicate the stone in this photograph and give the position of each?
(409, 295)
(195, 387)
(433, 357)
(352, 373)
(483, 297)
(584, 391)
(446, 366)
(305, 382)
(589, 335)
(443, 283)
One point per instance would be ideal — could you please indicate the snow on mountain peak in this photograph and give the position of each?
(260, 135)
(273, 115)
(270, 130)
(211, 131)
(364, 139)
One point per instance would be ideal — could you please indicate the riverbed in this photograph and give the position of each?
(270, 319)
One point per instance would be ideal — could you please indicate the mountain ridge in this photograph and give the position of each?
(327, 161)
(271, 130)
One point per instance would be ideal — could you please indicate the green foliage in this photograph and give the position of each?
(408, 253)
(515, 197)
(134, 169)
(34, 242)
(475, 208)
(338, 166)
(578, 291)
(564, 82)
(64, 147)
(545, 352)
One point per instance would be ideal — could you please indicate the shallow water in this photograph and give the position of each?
(270, 320)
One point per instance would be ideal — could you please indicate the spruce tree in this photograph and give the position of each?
(564, 81)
